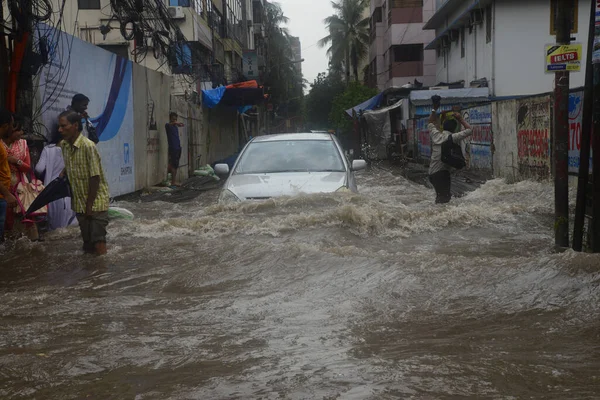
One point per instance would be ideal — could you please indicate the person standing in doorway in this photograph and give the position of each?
(172, 130)
(83, 167)
(7, 200)
(439, 172)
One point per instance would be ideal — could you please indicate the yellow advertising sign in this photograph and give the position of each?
(563, 58)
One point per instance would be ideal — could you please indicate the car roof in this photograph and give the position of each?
(293, 136)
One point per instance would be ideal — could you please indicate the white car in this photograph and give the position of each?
(288, 165)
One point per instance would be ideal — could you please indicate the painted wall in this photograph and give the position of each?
(480, 119)
(522, 32)
(111, 100)
(534, 125)
(575, 121)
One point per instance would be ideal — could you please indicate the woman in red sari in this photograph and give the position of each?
(19, 161)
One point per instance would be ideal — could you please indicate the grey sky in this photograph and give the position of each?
(306, 21)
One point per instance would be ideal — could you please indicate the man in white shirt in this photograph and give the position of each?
(439, 172)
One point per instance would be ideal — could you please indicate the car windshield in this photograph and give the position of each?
(291, 156)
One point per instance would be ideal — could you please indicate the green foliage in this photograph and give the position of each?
(283, 78)
(320, 100)
(348, 38)
(355, 94)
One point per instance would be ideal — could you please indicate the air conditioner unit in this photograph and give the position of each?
(477, 17)
(176, 12)
(454, 35)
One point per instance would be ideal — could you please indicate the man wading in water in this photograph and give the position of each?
(90, 190)
(439, 171)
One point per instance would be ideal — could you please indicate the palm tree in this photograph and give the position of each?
(348, 35)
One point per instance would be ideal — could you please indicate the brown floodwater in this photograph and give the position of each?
(377, 295)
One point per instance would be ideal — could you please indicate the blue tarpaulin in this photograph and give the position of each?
(367, 105)
(210, 98)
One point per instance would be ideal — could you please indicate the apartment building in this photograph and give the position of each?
(500, 44)
(397, 54)
(216, 34)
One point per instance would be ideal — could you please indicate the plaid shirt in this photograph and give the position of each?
(82, 162)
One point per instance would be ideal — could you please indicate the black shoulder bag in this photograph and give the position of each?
(452, 154)
(92, 134)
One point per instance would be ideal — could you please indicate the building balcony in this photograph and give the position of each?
(412, 15)
(406, 69)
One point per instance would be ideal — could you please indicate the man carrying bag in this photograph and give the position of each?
(446, 150)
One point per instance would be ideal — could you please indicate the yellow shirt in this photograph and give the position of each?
(4, 169)
(82, 162)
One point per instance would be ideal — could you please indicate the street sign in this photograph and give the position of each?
(563, 58)
(250, 64)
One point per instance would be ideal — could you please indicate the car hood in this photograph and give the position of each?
(264, 186)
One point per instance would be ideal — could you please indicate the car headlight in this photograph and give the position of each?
(228, 197)
(343, 189)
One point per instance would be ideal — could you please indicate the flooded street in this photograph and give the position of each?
(381, 295)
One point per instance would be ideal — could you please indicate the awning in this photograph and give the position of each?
(457, 23)
(450, 96)
(370, 104)
(238, 95)
(385, 109)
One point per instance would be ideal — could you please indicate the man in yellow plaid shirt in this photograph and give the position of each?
(90, 190)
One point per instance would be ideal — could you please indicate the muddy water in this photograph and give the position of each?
(381, 295)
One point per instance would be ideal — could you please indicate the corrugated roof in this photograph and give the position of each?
(423, 97)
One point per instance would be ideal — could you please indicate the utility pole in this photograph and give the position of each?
(586, 133)
(561, 130)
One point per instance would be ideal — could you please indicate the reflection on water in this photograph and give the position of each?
(381, 295)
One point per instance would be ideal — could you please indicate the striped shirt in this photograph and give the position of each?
(82, 162)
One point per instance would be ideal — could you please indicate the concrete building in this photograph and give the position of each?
(500, 44)
(397, 56)
(216, 33)
(297, 52)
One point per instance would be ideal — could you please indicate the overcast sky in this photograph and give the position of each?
(306, 21)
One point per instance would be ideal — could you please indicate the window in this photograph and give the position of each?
(554, 14)
(180, 58)
(462, 42)
(408, 52)
(234, 19)
(290, 156)
(88, 4)
(180, 3)
(378, 15)
(488, 24)
(405, 3)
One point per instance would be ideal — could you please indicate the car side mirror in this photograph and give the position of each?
(359, 165)
(222, 169)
